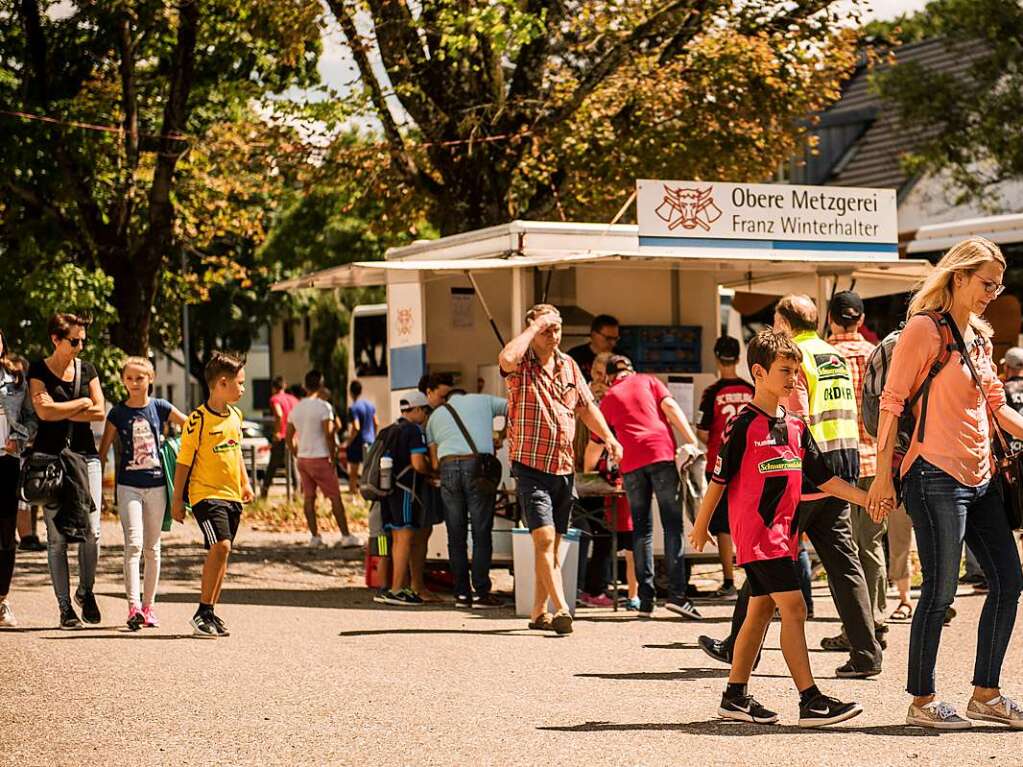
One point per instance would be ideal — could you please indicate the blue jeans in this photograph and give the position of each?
(641, 485)
(944, 511)
(465, 505)
(88, 552)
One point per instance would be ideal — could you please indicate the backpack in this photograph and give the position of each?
(384, 444)
(876, 375)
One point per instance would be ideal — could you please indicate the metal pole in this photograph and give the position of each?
(486, 309)
(185, 345)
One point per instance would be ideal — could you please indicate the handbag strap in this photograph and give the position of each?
(74, 395)
(1001, 445)
(461, 427)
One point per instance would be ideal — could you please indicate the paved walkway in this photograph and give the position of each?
(316, 674)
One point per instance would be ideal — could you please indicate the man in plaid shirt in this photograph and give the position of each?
(846, 315)
(546, 392)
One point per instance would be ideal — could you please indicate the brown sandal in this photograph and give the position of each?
(902, 613)
(544, 623)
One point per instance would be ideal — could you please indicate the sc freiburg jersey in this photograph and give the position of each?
(719, 404)
(762, 463)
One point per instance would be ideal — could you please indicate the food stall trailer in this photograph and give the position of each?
(452, 302)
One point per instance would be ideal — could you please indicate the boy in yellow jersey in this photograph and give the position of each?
(211, 475)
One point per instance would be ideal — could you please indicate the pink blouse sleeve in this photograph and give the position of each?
(914, 352)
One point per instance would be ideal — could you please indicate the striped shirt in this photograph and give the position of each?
(542, 409)
(857, 350)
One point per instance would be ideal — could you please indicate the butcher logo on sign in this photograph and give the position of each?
(404, 322)
(688, 208)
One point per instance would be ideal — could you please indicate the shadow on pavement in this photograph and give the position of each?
(122, 635)
(353, 598)
(741, 729)
(516, 632)
(662, 676)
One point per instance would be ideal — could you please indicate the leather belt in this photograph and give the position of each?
(453, 458)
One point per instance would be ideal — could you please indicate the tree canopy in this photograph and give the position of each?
(131, 130)
(971, 121)
(494, 110)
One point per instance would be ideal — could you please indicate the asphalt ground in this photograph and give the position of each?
(315, 673)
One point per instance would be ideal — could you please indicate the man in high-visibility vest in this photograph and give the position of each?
(824, 397)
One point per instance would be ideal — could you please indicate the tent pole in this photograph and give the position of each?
(486, 309)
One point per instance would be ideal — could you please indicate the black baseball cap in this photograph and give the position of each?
(846, 306)
(616, 364)
(726, 349)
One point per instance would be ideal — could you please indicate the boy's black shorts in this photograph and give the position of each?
(772, 576)
(217, 519)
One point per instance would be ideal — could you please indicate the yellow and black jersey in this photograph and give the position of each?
(211, 444)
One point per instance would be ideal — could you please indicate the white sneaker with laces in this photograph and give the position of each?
(7, 619)
(351, 541)
(315, 540)
(937, 715)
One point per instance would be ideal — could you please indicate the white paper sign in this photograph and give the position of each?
(770, 212)
(682, 389)
(461, 307)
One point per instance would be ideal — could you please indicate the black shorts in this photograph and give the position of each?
(401, 510)
(719, 522)
(380, 545)
(354, 450)
(772, 576)
(625, 540)
(217, 519)
(545, 500)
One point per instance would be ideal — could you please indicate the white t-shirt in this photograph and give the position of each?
(307, 417)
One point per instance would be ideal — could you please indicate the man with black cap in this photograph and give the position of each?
(846, 315)
(722, 400)
(641, 411)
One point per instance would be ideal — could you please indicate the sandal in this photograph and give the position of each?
(902, 613)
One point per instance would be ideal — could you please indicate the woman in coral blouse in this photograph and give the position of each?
(949, 488)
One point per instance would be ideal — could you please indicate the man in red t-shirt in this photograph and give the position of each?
(281, 404)
(641, 411)
(721, 401)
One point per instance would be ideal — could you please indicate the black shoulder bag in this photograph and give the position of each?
(1007, 462)
(487, 470)
(42, 476)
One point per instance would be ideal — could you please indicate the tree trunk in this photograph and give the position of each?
(134, 292)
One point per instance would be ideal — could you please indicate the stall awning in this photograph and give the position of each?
(362, 274)
(868, 280)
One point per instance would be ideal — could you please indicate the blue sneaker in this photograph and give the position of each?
(632, 605)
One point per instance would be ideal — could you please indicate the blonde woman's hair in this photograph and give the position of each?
(139, 362)
(935, 292)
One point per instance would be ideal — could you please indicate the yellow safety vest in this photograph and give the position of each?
(832, 419)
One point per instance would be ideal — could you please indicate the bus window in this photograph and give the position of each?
(369, 339)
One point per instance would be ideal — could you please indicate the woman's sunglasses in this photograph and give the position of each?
(76, 342)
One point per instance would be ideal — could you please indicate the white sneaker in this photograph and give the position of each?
(351, 541)
(7, 619)
(316, 540)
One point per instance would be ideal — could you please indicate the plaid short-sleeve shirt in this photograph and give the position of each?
(856, 349)
(542, 410)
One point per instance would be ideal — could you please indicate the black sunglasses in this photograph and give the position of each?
(76, 342)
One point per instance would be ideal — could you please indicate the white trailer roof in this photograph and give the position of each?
(939, 237)
(547, 245)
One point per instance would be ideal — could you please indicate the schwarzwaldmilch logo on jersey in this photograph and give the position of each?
(688, 208)
(775, 465)
(227, 445)
(830, 366)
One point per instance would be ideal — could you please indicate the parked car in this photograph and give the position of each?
(254, 442)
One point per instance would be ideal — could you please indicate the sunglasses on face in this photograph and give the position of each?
(76, 342)
(606, 337)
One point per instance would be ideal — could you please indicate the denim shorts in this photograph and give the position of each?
(545, 499)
